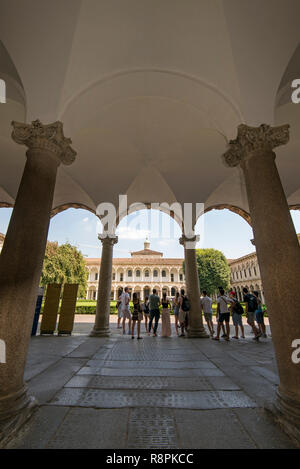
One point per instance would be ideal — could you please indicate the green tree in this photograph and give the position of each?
(213, 270)
(64, 264)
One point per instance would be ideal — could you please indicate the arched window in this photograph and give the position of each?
(173, 291)
(181, 277)
(163, 274)
(172, 277)
(155, 273)
(114, 276)
(146, 273)
(129, 273)
(96, 276)
(138, 273)
(121, 277)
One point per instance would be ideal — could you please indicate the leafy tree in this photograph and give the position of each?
(213, 270)
(64, 264)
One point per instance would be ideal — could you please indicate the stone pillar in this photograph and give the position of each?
(101, 327)
(21, 261)
(196, 328)
(278, 255)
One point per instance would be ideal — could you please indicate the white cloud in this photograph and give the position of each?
(127, 232)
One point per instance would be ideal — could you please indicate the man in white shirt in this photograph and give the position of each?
(125, 298)
(224, 314)
(206, 304)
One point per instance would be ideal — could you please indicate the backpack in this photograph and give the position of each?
(238, 308)
(252, 303)
(185, 304)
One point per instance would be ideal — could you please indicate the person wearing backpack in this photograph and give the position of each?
(237, 313)
(184, 308)
(259, 315)
(223, 314)
(251, 307)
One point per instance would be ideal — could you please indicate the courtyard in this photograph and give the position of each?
(119, 393)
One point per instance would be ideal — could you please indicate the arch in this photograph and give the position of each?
(6, 205)
(63, 207)
(146, 291)
(232, 208)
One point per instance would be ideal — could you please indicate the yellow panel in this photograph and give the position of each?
(48, 324)
(67, 310)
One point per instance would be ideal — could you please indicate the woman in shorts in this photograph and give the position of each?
(137, 315)
(237, 318)
(259, 316)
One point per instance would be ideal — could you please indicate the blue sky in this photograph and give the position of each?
(221, 230)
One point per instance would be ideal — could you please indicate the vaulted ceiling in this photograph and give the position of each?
(150, 92)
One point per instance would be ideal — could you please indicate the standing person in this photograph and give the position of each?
(125, 299)
(119, 310)
(137, 315)
(217, 317)
(146, 311)
(237, 315)
(259, 315)
(184, 308)
(165, 317)
(154, 303)
(206, 304)
(251, 307)
(176, 311)
(223, 314)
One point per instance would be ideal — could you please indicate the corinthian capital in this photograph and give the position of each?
(252, 139)
(45, 137)
(109, 239)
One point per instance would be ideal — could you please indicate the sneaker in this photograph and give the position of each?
(132, 337)
(224, 335)
(139, 338)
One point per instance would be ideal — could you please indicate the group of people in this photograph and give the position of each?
(149, 311)
(227, 305)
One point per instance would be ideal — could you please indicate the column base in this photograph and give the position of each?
(286, 412)
(15, 410)
(100, 332)
(198, 333)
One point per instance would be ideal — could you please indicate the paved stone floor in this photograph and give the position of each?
(154, 393)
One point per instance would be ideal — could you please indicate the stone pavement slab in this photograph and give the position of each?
(97, 398)
(155, 393)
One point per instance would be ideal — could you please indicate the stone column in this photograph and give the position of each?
(196, 328)
(22, 258)
(101, 327)
(278, 255)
